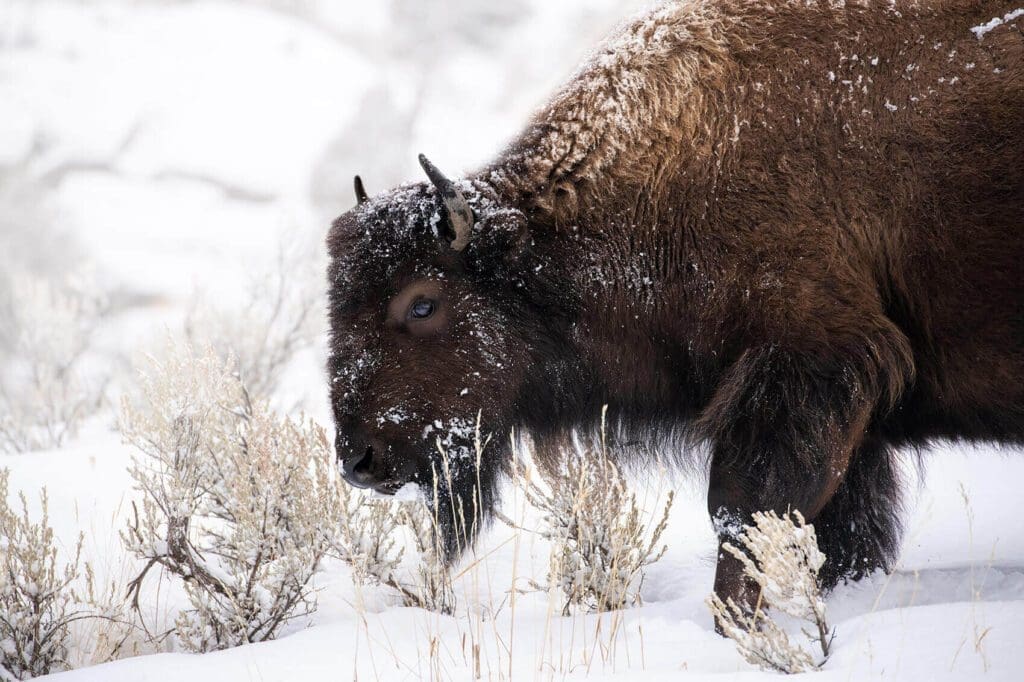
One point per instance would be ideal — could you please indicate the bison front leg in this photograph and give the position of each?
(784, 428)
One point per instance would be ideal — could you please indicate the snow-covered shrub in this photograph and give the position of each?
(46, 331)
(110, 632)
(372, 539)
(279, 317)
(37, 602)
(375, 533)
(781, 555)
(601, 544)
(49, 312)
(759, 639)
(432, 584)
(41, 598)
(367, 539)
(238, 503)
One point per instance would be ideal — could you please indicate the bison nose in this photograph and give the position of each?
(355, 468)
(359, 463)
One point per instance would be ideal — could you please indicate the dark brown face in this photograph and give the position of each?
(423, 339)
(412, 374)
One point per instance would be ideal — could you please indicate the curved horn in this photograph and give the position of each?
(361, 195)
(460, 215)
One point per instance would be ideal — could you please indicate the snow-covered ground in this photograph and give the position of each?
(171, 148)
(952, 609)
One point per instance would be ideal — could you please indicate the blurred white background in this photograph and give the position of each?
(171, 144)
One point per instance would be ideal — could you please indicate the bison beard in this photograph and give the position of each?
(461, 497)
(784, 230)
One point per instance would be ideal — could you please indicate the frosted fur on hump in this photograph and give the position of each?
(640, 80)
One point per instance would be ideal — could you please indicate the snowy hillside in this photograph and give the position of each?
(166, 157)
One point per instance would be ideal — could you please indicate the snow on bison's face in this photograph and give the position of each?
(430, 327)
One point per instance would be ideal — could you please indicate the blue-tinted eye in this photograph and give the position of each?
(422, 309)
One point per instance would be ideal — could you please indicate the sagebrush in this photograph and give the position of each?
(238, 503)
(47, 329)
(243, 505)
(780, 554)
(373, 538)
(43, 597)
(601, 543)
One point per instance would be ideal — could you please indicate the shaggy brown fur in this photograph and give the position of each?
(791, 230)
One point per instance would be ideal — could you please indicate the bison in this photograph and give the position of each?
(790, 232)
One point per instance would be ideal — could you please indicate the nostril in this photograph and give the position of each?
(357, 465)
(366, 464)
(362, 466)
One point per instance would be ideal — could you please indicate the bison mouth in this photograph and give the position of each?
(446, 473)
(388, 488)
(364, 471)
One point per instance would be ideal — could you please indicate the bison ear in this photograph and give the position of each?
(503, 235)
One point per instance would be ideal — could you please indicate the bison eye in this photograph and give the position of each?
(422, 309)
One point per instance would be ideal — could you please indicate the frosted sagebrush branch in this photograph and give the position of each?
(40, 597)
(432, 589)
(47, 329)
(781, 555)
(601, 545)
(370, 540)
(759, 639)
(785, 564)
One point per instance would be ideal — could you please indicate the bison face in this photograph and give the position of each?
(429, 329)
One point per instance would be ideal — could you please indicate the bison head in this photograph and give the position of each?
(437, 318)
